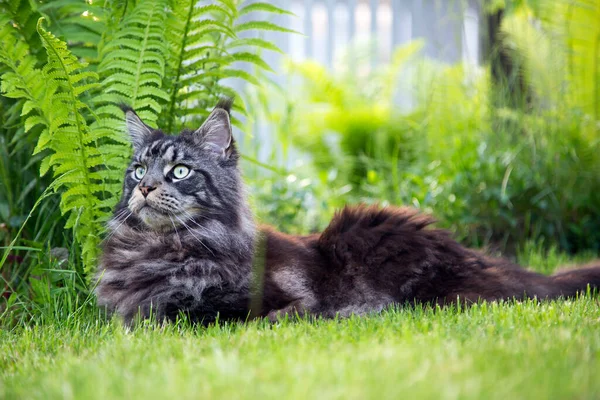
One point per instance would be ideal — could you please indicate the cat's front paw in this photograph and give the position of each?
(293, 310)
(276, 315)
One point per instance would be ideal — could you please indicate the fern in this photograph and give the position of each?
(67, 136)
(79, 23)
(205, 49)
(23, 83)
(132, 70)
(165, 58)
(133, 63)
(22, 15)
(19, 56)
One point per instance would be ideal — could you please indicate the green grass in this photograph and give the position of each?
(506, 350)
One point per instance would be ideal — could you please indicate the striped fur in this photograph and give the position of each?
(189, 245)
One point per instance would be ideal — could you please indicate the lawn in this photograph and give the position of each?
(503, 351)
(504, 153)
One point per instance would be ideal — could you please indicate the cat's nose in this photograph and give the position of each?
(146, 190)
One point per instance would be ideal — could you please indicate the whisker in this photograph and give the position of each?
(117, 216)
(214, 211)
(191, 233)
(192, 219)
(174, 227)
(118, 226)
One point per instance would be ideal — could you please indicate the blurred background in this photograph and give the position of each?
(485, 114)
(450, 29)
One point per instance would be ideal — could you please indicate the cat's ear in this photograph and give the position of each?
(138, 131)
(215, 133)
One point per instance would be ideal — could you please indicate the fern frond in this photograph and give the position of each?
(137, 53)
(132, 69)
(254, 42)
(66, 138)
(22, 15)
(23, 82)
(206, 51)
(79, 23)
(262, 26)
(267, 7)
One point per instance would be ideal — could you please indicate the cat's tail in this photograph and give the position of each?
(570, 282)
(513, 282)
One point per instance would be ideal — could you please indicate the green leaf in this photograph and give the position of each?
(261, 26)
(260, 6)
(66, 138)
(254, 42)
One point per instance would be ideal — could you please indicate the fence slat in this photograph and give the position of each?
(330, 31)
(401, 23)
(374, 50)
(417, 19)
(308, 31)
(351, 19)
(471, 33)
(374, 4)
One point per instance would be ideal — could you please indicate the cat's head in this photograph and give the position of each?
(174, 179)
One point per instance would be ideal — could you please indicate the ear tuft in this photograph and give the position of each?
(225, 103)
(138, 131)
(215, 133)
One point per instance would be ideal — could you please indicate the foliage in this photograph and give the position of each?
(371, 131)
(496, 176)
(61, 87)
(66, 134)
(560, 55)
(206, 45)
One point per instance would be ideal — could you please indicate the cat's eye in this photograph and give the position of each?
(139, 172)
(180, 171)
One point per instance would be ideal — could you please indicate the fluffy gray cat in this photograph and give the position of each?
(182, 240)
(182, 236)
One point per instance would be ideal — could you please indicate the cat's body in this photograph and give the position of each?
(371, 257)
(192, 247)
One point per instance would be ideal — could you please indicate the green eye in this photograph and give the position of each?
(139, 172)
(180, 171)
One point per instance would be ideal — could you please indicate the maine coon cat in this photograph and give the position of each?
(182, 239)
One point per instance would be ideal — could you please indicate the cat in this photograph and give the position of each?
(183, 240)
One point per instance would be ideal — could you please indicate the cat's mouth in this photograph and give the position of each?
(154, 217)
(146, 211)
(148, 207)
(157, 215)
(159, 219)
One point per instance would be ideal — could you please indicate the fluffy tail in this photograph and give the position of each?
(568, 283)
(513, 282)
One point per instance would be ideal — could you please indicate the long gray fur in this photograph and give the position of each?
(188, 245)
